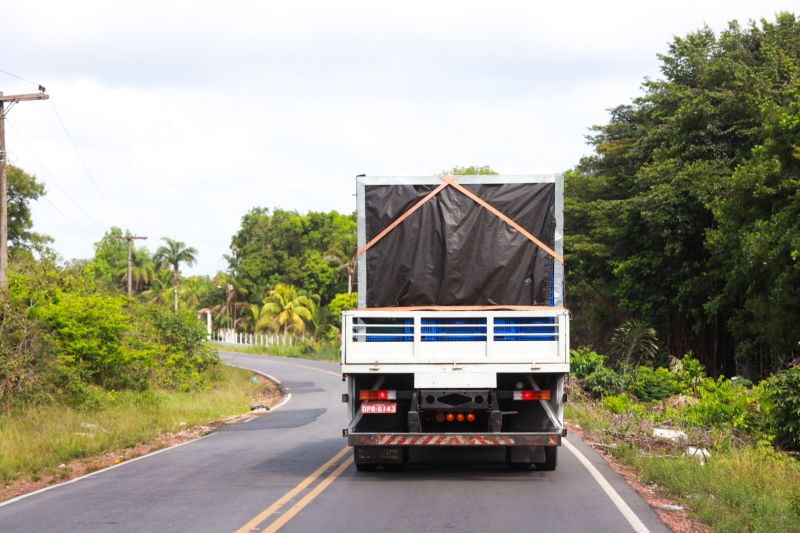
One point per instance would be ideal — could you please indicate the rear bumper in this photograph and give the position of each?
(454, 439)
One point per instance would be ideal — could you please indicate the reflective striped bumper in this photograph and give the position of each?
(454, 439)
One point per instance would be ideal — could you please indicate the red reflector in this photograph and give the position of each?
(377, 395)
(531, 394)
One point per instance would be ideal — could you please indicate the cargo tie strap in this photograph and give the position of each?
(477, 199)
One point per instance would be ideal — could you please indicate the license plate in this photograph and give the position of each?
(378, 408)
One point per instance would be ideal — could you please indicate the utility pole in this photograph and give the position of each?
(130, 238)
(10, 99)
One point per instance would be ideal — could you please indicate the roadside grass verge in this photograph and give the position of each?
(739, 488)
(35, 441)
(322, 353)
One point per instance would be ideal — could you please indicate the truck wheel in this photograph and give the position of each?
(550, 459)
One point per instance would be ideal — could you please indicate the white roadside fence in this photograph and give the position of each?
(229, 336)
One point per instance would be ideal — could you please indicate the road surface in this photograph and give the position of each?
(289, 470)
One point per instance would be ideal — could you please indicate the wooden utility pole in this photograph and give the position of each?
(10, 99)
(130, 239)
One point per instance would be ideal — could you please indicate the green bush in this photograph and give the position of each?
(649, 384)
(725, 404)
(89, 332)
(782, 396)
(584, 361)
(689, 372)
(603, 382)
(619, 403)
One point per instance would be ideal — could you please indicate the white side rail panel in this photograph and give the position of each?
(455, 337)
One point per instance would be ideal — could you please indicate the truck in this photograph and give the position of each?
(461, 334)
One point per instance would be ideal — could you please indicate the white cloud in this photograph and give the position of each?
(190, 113)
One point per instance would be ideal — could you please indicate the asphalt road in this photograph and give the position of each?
(285, 470)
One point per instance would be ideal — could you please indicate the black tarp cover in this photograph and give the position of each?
(452, 251)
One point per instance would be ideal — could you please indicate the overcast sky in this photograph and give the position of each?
(188, 114)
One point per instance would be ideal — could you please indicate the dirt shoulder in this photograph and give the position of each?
(673, 514)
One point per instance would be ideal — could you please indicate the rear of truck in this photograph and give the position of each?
(461, 337)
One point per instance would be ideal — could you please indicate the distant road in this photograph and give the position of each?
(289, 469)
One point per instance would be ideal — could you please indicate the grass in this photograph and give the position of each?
(321, 353)
(739, 489)
(34, 442)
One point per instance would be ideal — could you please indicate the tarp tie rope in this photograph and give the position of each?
(400, 219)
(483, 203)
(477, 199)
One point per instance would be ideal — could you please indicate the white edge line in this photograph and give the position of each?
(623, 507)
(106, 469)
(145, 456)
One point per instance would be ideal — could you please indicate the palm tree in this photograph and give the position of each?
(345, 263)
(143, 270)
(285, 308)
(634, 343)
(160, 290)
(229, 312)
(172, 255)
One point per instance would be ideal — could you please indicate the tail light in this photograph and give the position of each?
(450, 417)
(531, 394)
(373, 395)
(460, 417)
(470, 417)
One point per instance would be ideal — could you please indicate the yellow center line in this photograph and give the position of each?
(266, 513)
(308, 498)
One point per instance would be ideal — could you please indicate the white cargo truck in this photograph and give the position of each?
(461, 336)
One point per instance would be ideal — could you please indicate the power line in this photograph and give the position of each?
(18, 77)
(85, 166)
(77, 238)
(54, 180)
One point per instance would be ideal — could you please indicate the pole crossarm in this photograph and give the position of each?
(14, 98)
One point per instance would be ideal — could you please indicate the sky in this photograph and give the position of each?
(174, 119)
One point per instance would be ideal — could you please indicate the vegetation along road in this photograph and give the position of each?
(288, 470)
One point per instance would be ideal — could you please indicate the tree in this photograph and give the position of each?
(685, 216)
(22, 189)
(110, 258)
(143, 270)
(172, 255)
(287, 247)
(285, 309)
(470, 171)
(160, 290)
(230, 312)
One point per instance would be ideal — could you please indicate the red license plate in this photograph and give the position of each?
(378, 408)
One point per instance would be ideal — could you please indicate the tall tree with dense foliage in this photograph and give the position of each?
(287, 247)
(172, 254)
(22, 189)
(686, 216)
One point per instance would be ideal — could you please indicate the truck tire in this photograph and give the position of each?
(550, 459)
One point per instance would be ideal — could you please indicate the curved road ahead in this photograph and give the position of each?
(286, 470)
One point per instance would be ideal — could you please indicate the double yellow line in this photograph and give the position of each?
(300, 487)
